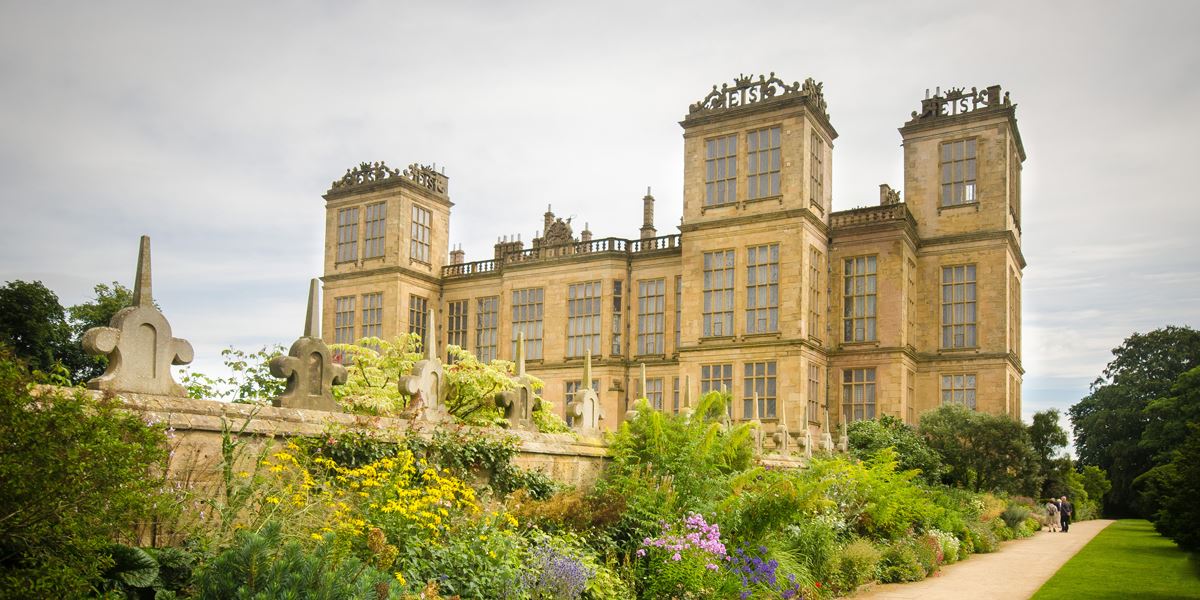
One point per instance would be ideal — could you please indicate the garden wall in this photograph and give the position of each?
(198, 425)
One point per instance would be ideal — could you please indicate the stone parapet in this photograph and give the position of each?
(605, 247)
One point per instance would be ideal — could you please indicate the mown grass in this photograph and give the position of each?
(1126, 560)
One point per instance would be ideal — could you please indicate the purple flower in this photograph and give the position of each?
(641, 552)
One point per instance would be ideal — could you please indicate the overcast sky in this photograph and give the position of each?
(215, 129)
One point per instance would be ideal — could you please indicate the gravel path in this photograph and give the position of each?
(1015, 572)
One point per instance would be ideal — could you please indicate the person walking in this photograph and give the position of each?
(1052, 515)
(1067, 510)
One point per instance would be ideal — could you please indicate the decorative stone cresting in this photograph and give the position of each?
(426, 386)
(745, 90)
(520, 402)
(584, 406)
(309, 367)
(138, 343)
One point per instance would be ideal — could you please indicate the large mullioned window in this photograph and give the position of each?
(422, 221)
(959, 389)
(958, 173)
(716, 378)
(758, 379)
(814, 393)
(487, 319)
(651, 317)
(816, 172)
(418, 317)
(762, 289)
(343, 323)
(718, 293)
(720, 171)
(527, 318)
(456, 324)
(762, 177)
(583, 318)
(958, 307)
(858, 306)
(376, 219)
(347, 235)
(858, 394)
(815, 281)
(372, 315)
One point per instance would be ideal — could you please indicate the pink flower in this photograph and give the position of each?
(676, 557)
(641, 552)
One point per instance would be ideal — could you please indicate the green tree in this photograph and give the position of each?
(97, 312)
(33, 323)
(76, 474)
(1049, 439)
(981, 451)
(1110, 421)
(249, 380)
(869, 437)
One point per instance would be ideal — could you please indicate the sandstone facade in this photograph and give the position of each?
(830, 316)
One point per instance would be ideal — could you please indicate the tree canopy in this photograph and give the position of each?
(1109, 423)
(33, 323)
(981, 451)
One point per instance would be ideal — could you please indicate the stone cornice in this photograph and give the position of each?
(734, 343)
(982, 236)
(389, 270)
(338, 195)
(755, 218)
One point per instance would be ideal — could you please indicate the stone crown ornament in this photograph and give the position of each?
(138, 343)
(745, 90)
(309, 367)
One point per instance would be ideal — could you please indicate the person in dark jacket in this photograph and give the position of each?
(1066, 510)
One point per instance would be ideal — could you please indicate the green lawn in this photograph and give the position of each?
(1126, 560)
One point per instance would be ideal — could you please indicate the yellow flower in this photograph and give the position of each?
(272, 499)
(483, 538)
(400, 578)
(243, 474)
(317, 536)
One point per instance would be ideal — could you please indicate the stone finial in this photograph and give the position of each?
(308, 367)
(426, 386)
(138, 343)
(520, 402)
(827, 442)
(843, 440)
(584, 406)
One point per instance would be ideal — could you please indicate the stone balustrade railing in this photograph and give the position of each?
(604, 246)
(871, 215)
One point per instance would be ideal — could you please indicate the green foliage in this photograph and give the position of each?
(131, 568)
(468, 454)
(473, 387)
(97, 312)
(1173, 489)
(875, 499)
(814, 545)
(249, 380)
(868, 437)
(1109, 423)
(1049, 439)
(982, 451)
(983, 537)
(33, 323)
(262, 565)
(1095, 482)
(899, 563)
(1014, 515)
(76, 473)
(856, 564)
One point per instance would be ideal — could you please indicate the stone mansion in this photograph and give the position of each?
(819, 317)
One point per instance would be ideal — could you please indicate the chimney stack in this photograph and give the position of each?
(457, 256)
(648, 230)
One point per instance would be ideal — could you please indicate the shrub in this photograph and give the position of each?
(1001, 530)
(814, 544)
(949, 544)
(855, 564)
(685, 558)
(983, 538)
(261, 565)
(1014, 515)
(868, 437)
(899, 563)
(76, 474)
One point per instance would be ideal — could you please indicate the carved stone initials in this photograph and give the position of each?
(138, 343)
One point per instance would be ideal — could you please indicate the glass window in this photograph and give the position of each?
(618, 325)
(347, 235)
(762, 153)
(720, 171)
(456, 325)
(816, 172)
(816, 281)
(421, 223)
(959, 389)
(372, 315)
(814, 393)
(418, 316)
(762, 289)
(958, 173)
(527, 318)
(651, 320)
(678, 310)
(487, 319)
(958, 307)
(718, 293)
(717, 378)
(858, 394)
(343, 322)
(859, 299)
(583, 318)
(653, 392)
(376, 220)
(758, 379)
